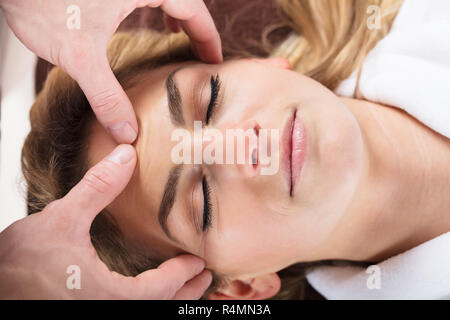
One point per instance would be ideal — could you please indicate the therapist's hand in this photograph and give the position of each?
(49, 28)
(36, 251)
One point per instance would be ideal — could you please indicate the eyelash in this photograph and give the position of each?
(206, 204)
(215, 90)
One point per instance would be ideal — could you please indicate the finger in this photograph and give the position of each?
(165, 281)
(195, 288)
(172, 24)
(108, 100)
(206, 42)
(198, 24)
(100, 186)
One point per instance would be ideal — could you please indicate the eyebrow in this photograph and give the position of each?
(168, 199)
(170, 189)
(174, 99)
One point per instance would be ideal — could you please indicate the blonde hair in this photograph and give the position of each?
(331, 38)
(329, 41)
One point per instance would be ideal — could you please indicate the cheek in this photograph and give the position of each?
(248, 239)
(239, 253)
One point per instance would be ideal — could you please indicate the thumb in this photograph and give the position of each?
(100, 186)
(108, 100)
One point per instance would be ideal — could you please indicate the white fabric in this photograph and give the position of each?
(17, 84)
(419, 273)
(408, 69)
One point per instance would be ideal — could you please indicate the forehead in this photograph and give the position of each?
(135, 208)
(147, 93)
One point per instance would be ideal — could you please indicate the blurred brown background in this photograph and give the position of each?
(239, 22)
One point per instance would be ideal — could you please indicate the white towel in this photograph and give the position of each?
(419, 273)
(408, 69)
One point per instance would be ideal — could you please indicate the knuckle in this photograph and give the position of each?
(105, 102)
(179, 262)
(171, 287)
(170, 291)
(99, 179)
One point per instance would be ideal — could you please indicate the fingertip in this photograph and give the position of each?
(110, 102)
(208, 276)
(100, 186)
(123, 132)
(208, 53)
(201, 266)
(218, 57)
(200, 263)
(196, 287)
(122, 154)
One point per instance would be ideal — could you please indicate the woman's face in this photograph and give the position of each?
(258, 225)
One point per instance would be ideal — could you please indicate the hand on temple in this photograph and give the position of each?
(36, 252)
(50, 29)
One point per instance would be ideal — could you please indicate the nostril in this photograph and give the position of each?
(255, 152)
(256, 129)
(255, 157)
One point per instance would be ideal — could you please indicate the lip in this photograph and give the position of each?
(294, 147)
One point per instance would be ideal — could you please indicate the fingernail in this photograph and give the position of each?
(122, 154)
(123, 132)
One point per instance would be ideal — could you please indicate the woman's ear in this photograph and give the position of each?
(258, 288)
(275, 62)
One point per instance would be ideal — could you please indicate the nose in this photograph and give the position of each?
(237, 146)
(246, 145)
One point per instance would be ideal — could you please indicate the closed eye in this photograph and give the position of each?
(206, 205)
(215, 90)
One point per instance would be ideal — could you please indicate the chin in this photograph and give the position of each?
(334, 170)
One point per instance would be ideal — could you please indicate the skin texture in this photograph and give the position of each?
(82, 52)
(33, 264)
(350, 201)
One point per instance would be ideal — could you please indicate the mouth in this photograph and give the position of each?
(294, 143)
